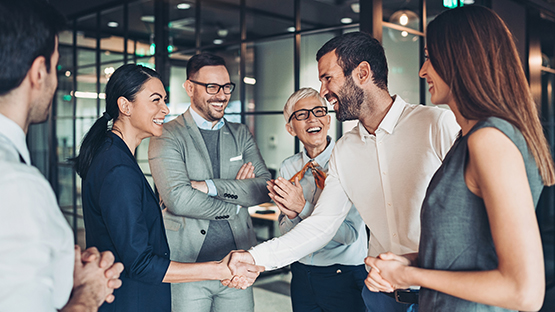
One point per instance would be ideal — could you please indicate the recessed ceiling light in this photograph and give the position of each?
(346, 20)
(291, 29)
(355, 7)
(249, 80)
(147, 18)
(184, 6)
(113, 24)
(218, 41)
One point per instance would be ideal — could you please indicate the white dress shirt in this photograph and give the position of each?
(384, 175)
(36, 242)
(348, 245)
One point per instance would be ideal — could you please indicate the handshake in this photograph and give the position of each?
(241, 272)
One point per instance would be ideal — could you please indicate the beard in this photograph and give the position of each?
(350, 99)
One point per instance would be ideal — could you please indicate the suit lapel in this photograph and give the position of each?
(198, 141)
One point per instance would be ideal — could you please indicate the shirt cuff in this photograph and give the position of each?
(212, 191)
(307, 210)
(261, 259)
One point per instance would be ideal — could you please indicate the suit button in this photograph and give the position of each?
(235, 196)
(226, 216)
(202, 232)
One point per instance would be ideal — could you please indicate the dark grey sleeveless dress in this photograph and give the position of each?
(455, 230)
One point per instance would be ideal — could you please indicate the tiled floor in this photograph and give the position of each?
(272, 293)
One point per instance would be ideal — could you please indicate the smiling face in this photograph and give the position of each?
(149, 109)
(312, 132)
(439, 90)
(210, 106)
(340, 91)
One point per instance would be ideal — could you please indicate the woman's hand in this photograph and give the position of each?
(388, 272)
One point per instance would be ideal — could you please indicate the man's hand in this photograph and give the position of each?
(288, 197)
(200, 186)
(113, 270)
(94, 279)
(242, 267)
(245, 172)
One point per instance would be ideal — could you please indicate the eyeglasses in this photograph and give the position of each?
(214, 88)
(303, 114)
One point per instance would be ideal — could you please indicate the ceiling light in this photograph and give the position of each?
(346, 20)
(404, 20)
(355, 7)
(68, 73)
(147, 18)
(222, 32)
(249, 80)
(291, 29)
(113, 24)
(184, 6)
(218, 41)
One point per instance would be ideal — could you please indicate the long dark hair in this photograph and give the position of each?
(126, 81)
(473, 51)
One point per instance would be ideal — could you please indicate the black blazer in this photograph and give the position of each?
(123, 215)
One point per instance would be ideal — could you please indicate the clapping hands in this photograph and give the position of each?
(288, 196)
(243, 270)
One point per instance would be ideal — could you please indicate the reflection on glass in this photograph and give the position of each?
(319, 14)
(220, 22)
(181, 28)
(269, 17)
(272, 62)
(274, 142)
(404, 63)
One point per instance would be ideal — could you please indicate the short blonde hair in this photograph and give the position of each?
(300, 94)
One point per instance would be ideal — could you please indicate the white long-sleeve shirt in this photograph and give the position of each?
(36, 242)
(384, 175)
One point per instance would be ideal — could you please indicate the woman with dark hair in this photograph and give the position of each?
(120, 210)
(480, 246)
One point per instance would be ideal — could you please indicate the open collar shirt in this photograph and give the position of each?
(36, 242)
(385, 175)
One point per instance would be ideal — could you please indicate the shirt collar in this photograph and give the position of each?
(389, 121)
(205, 124)
(15, 134)
(323, 157)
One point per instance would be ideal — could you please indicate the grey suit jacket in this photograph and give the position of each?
(179, 156)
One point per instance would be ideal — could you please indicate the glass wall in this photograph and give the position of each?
(270, 51)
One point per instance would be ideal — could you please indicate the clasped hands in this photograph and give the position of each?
(388, 271)
(243, 271)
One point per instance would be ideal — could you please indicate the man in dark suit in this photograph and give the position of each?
(208, 171)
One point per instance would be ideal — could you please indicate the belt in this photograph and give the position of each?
(404, 295)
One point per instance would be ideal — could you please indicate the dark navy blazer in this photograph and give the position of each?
(122, 215)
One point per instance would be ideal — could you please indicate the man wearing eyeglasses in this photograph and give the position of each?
(331, 278)
(208, 171)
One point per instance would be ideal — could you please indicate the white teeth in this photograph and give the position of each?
(333, 101)
(220, 104)
(314, 129)
(158, 121)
